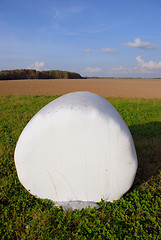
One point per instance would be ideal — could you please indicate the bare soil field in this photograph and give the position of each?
(106, 87)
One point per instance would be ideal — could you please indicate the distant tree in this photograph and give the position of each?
(34, 74)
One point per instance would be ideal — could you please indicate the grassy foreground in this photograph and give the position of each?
(137, 215)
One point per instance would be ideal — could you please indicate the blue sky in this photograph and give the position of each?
(118, 38)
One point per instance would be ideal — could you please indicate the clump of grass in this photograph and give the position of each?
(135, 216)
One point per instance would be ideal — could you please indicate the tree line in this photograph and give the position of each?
(34, 74)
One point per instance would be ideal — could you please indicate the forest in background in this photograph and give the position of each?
(34, 74)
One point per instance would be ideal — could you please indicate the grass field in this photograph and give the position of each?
(136, 215)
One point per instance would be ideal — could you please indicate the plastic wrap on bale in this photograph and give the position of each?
(76, 151)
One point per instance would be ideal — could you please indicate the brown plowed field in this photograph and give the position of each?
(106, 87)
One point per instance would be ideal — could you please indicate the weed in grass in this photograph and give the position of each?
(135, 216)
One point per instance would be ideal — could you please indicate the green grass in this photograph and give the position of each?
(137, 215)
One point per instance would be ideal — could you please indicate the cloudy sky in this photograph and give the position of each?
(118, 38)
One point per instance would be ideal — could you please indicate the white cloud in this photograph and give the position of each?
(139, 44)
(119, 70)
(92, 69)
(37, 65)
(129, 71)
(142, 68)
(108, 50)
(149, 65)
(88, 50)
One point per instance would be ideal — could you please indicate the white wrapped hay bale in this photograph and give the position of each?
(76, 149)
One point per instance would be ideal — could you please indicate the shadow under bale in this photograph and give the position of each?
(147, 140)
